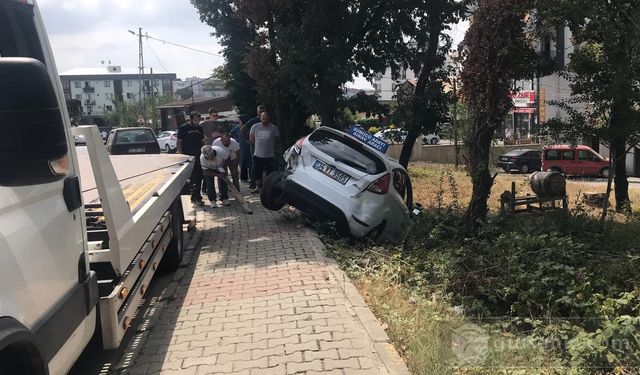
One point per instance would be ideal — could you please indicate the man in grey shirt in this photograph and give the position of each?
(263, 136)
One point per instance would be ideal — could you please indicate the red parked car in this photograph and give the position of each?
(578, 160)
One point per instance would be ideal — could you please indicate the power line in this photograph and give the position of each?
(157, 58)
(183, 46)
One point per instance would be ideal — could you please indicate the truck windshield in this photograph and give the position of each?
(18, 32)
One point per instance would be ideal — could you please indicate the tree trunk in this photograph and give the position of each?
(328, 103)
(619, 154)
(478, 147)
(407, 148)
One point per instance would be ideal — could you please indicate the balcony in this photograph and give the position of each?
(88, 90)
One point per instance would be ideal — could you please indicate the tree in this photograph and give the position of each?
(426, 106)
(495, 51)
(126, 113)
(185, 93)
(604, 76)
(367, 104)
(302, 52)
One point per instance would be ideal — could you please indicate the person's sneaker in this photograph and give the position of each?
(226, 202)
(213, 205)
(255, 190)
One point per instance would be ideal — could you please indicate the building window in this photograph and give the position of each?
(79, 96)
(87, 84)
(66, 85)
(128, 83)
(89, 109)
(107, 83)
(131, 95)
(109, 108)
(109, 96)
(77, 85)
(67, 96)
(88, 96)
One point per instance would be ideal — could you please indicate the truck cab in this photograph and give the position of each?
(72, 241)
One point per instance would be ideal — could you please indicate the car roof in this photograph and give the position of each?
(567, 147)
(385, 158)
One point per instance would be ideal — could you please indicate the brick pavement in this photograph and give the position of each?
(259, 297)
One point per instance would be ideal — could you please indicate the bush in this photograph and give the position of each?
(368, 123)
(373, 130)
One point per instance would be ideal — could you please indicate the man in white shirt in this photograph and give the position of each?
(214, 160)
(233, 149)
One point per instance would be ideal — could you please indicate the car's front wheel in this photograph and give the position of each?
(167, 149)
(272, 192)
(434, 141)
(604, 172)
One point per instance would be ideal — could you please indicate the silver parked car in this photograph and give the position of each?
(331, 175)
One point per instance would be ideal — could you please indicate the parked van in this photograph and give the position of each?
(578, 160)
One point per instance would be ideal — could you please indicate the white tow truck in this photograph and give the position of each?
(81, 232)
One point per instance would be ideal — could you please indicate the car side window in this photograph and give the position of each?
(584, 155)
(594, 157)
(568, 155)
(552, 154)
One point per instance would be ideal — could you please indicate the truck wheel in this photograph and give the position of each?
(272, 193)
(19, 353)
(175, 249)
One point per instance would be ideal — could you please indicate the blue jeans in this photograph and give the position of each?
(211, 190)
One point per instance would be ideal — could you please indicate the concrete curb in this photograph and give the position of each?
(389, 356)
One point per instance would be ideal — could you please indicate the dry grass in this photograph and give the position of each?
(430, 180)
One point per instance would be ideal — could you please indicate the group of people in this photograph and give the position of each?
(246, 152)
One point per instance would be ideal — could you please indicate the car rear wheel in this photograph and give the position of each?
(604, 172)
(167, 149)
(524, 168)
(272, 192)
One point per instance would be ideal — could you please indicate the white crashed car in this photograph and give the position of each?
(333, 176)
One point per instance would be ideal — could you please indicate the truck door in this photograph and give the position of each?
(41, 215)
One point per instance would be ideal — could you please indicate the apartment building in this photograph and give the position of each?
(99, 88)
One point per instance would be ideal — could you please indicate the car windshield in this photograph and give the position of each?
(515, 153)
(135, 136)
(347, 151)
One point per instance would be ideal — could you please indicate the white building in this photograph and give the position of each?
(99, 88)
(202, 87)
(385, 86)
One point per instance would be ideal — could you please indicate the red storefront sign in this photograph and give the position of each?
(523, 98)
(524, 110)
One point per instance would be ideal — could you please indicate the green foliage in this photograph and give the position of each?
(369, 124)
(74, 107)
(561, 282)
(125, 113)
(367, 104)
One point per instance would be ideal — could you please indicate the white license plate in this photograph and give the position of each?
(136, 150)
(332, 172)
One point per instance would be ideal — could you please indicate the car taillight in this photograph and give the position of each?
(298, 145)
(381, 185)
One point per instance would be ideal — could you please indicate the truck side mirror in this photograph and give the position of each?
(33, 142)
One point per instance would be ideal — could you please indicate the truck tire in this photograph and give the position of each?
(272, 193)
(19, 353)
(175, 249)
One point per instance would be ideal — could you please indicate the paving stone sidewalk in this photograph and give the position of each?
(259, 297)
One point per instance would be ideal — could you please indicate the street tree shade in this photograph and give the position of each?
(603, 73)
(495, 52)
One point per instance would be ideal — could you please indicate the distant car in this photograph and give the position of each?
(399, 135)
(127, 141)
(578, 160)
(331, 175)
(167, 140)
(79, 140)
(522, 160)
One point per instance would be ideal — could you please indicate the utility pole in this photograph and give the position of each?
(141, 71)
(153, 99)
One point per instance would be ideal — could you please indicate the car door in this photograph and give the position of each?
(401, 203)
(569, 162)
(162, 139)
(533, 160)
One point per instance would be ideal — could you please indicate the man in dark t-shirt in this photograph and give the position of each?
(190, 141)
(246, 148)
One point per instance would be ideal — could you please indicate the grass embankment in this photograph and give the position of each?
(547, 293)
